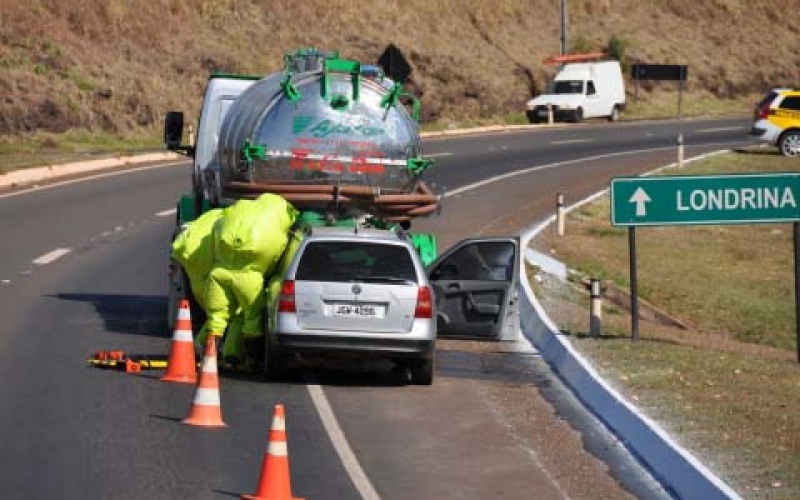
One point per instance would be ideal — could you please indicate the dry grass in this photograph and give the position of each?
(117, 66)
(726, 389)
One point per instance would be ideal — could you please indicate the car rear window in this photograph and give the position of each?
(767, 99)
(355, 261)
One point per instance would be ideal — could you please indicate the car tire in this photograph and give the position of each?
(577, 116)
(789, 143)
(614, 116)
(274, 362)
(422, 371)
(533, 117)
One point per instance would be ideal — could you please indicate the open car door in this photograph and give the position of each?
(475, 285)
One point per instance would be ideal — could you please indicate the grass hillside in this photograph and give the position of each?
(115, 67)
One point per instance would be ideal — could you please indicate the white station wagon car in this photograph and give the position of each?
(366, 292)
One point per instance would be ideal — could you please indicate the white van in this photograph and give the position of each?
(582, 90)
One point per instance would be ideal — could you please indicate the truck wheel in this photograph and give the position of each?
(577, 117)
(614, 116)
(179, 289)
(789, 143)
(422, 371)
(533, 117)
(174, 294)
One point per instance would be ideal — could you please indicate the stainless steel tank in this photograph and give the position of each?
(319, 127)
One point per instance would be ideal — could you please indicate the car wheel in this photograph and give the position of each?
(274, 366)
(578, 115)
(789, 143)
(614, 116)
(422, 371)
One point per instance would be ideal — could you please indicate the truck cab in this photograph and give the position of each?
(221, 92)
(581, 90)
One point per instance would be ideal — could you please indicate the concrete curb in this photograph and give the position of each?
(678, 470)
(32, 175)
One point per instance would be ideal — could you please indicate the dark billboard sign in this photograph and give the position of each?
(674, 72)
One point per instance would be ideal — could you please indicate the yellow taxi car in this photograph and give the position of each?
(777, 120)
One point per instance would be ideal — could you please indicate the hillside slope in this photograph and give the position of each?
(117, 66)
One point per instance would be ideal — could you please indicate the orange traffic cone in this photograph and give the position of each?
(275, 482)
(181, 366)
(205, 408)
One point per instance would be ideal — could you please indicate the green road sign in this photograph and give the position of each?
(705, 199)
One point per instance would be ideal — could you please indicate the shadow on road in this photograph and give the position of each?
(126, 314)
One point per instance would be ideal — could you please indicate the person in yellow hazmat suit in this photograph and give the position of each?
(228, 259)
(248, 244)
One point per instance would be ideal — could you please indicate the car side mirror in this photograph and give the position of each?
(173, 130)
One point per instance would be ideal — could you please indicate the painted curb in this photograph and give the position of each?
(32, 175)
(678, 470)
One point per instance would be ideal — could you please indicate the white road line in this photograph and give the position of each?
(167, 213)
(470, 187)
(720, 129)
(52, 256)
(340, 444)
(570, 141)
(434, 155)
(29, 190)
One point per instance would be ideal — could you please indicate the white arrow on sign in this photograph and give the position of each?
(640, 198)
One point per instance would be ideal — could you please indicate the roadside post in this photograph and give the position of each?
(706, 199)
(549, 114)
(680, 150)
(560, 214)
(595, 308)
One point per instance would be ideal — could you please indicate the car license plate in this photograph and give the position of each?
(358, 311)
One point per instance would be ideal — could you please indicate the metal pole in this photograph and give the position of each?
(797, 283)
(595, 307)
(563, 27)
(560, 213)
(634, 287)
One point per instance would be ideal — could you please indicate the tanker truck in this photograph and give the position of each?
(339, 141)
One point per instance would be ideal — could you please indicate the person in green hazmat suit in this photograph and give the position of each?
(236, 250)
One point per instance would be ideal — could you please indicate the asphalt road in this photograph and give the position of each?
(83, 268)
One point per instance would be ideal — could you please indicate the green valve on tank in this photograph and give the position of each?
(252, 152)
(353, 68)
(418, 165)
(393, 96)
(289, 90)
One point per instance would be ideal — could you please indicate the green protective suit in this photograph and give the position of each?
(248, 243)
(194, 250)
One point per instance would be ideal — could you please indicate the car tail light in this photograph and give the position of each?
(286, 303)
(762, 113)
(424, 309)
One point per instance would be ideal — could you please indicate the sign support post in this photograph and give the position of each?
(797, 284)
(706, 199)
(634, 285)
